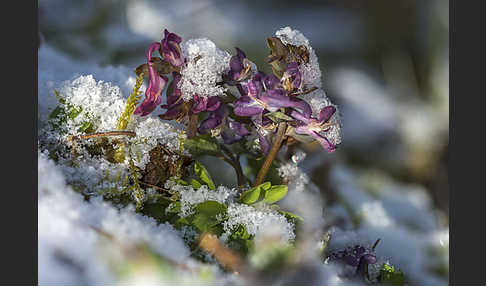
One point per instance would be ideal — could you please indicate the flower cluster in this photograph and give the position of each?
(214, 93)
(357, 256)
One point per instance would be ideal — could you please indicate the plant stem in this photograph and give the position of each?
(73, 138)
(304, 92)
(105, 134)
(282, 127)
(155, 187)
(234, 161)
(192, 126)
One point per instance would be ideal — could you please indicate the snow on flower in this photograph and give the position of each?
(204, 67)
(311, 72)
(318, 100)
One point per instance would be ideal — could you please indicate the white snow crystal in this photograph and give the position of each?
(203, 69)
(261, 222)
(152, 131)
(295, 178)
(191, 197)
(102, 102)
(69, 237)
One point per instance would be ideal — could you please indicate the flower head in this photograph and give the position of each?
(170, 49)
(174, 99)
(240, 68)
(156, 86)
(218, 122)
(292, 77)
(205, 103)
(357, 256)
(317, 128)
(265, 93)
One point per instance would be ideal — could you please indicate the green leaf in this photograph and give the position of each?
(206, 217)
(289, 215)
(203, 174)
(275, 194)
(56, 112)
(390, 276)
(174, 207)
(203, 145)
(182, 221)
(74, 112)
(195, 184)
(180, 182)
(86, 126)
(252, 195)
(210, 208)
(240, 240)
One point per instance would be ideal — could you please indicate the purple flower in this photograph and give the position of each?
(205, 103)
(316, 128)
(214, 120)
(357, 256)
(265, 128)
(155, 87)
(264, 144)
(170, 49)
(174, 99)
(231, 131)
(292, 77)
(264, 93)
(240, 68)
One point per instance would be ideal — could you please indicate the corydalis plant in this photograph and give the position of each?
(271, 109)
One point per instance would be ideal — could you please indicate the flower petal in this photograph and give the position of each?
(271, 81)
(200, 104)
(264, 144)
(213, 103)
(239, 128)
(326, 113)
(245, 106)
(324, 142)
(170, 48)
(156, 86)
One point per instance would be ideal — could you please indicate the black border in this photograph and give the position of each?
(19, 142)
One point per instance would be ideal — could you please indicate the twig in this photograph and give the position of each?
(304, 92)
(105, 134)
(192, 126)
(155, 187)
(282, 127)
(73, 138)
(225, 256)
(234, 161)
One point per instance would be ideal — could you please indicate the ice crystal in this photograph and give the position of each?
(205, 64)
(311, 73)
(295, 178)
(261, 222)
(152, 131)
(191, 197)
(102, 102)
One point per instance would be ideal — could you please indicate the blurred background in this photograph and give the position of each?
(384, 63)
